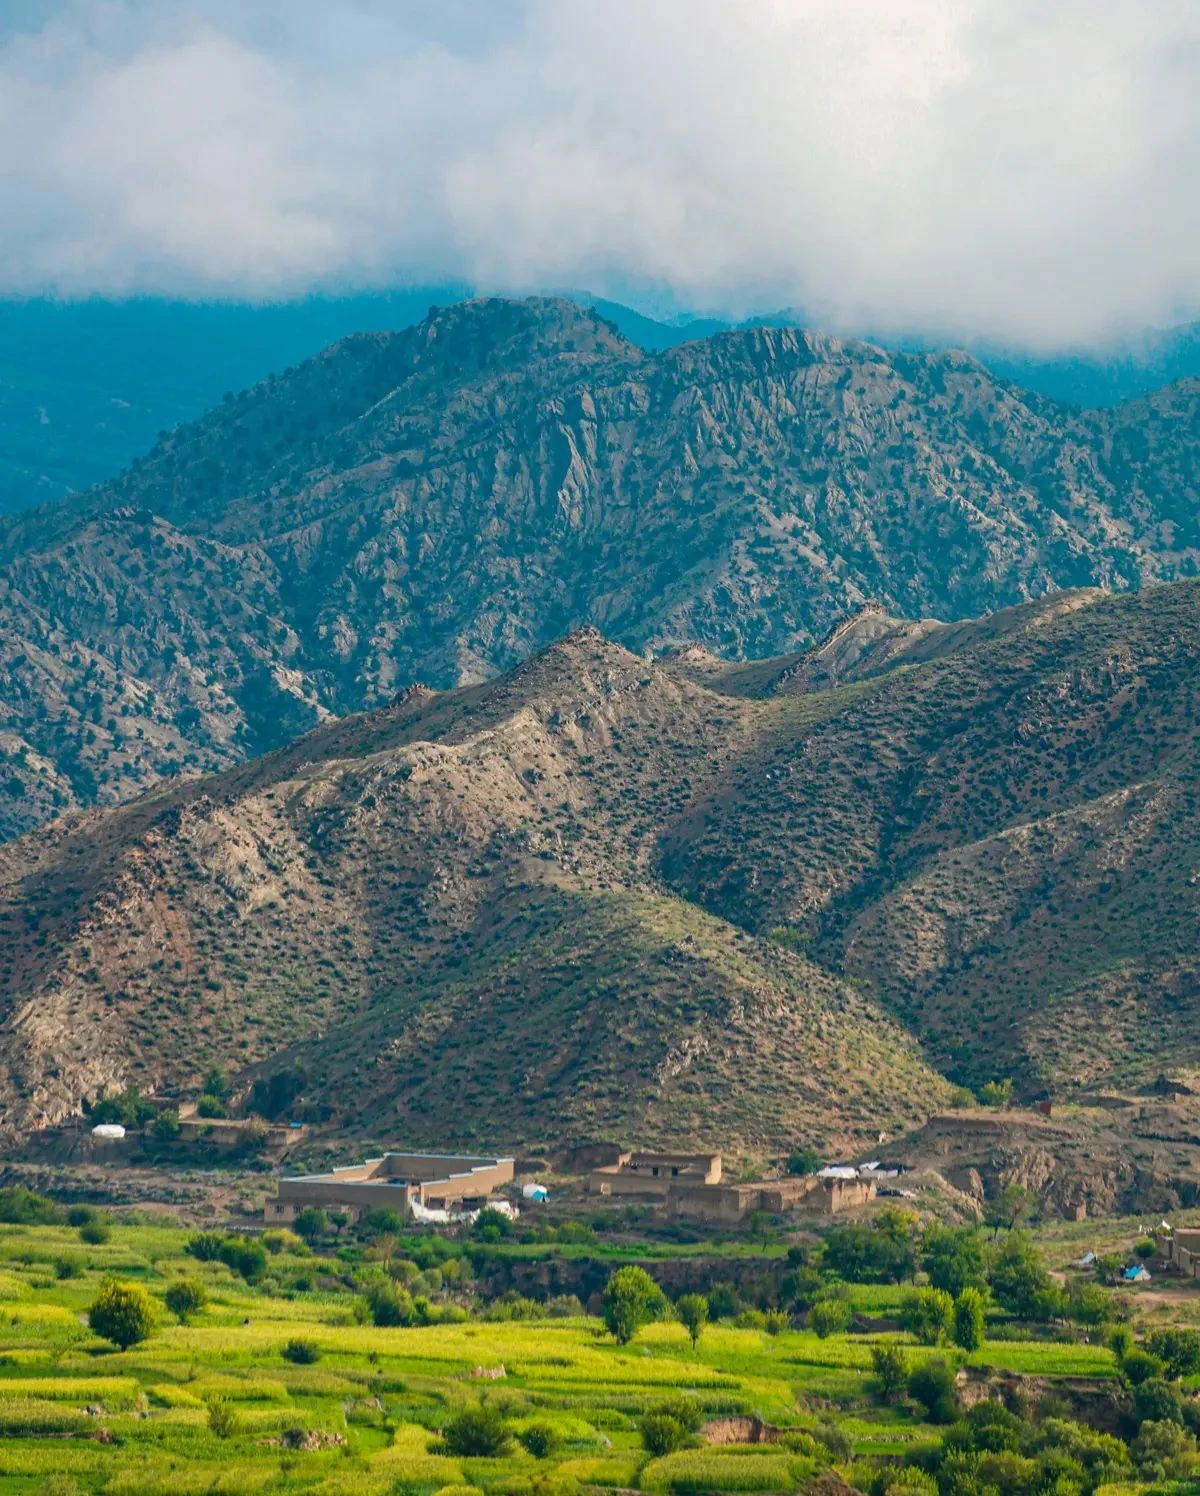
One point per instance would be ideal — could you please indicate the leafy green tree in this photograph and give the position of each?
(310, 1223)
(1088, 1304)
(890, 1366)
(491, 1225)
(1139, 1366)
(1012, 1207)
(1178, 1350)
(211, 1107)
(122, 1313)
(932, 1384)
(969, 1319)
(185, 1298)
(883, 1253)
(929, 1315)
(478, 1433)
(1163, 1450)
(390, 1306)
(954, 1258)
(631, 1299)
(166, 1126)
(1019, 1281)
(723, 1301)
(1145, 1248)
(692, 1311)
(1158, 1402)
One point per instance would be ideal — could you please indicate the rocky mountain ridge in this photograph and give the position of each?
(436, 504)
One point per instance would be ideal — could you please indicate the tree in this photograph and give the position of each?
(166, 1126)
(631, 1299)
(1158, 1402)
(310, 1223)
(1088, 1304)
(997, 1092)
(244, 1256)
(216, 1083)
(933, 1386)
(969, 1319)
(829, 1316)
(95, 1233)
(222, 1418)
(185, 1298)
(929, 1315)
(491, 1225)
(1145, 1248)
(804, 1160)
(1012, 1207)
(953, 1256)
(478, 1433)
(1139, 1367)
(661, 1434)
(890, 1365)
(122, 1313)
(692, 1309)
(883, 1253)
(211, 1107)
(1178, 1350)
(1019, 1281)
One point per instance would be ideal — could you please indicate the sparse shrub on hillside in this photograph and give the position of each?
(222, 1418)
(166, 1126)
(245, 1256)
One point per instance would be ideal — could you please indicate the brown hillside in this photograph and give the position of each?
(438, 503)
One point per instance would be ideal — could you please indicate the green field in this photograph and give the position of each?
(214, 1405)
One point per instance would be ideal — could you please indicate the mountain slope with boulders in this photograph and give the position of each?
(676, 900)
(435, 504)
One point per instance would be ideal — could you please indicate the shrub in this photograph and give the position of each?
(933, 1386)
(68, 1266)
(310, 1223)
(804, 1161)
(222, 1418)
(166, 1127)
(777, 1322)
(890, 1366)
(491, 1225)
(21, 1207)
(1120, 1341)
(185, 1298)
(382, 1221)
(539, 1439)
(631, 1299)
(95, 1233)
(929, 1315)
(686, 1411)
(661, 1434)
(301, 1351)
(692, 1312)
(82, 1215)
(1178, 1350)
(723, 1302)
(836, 1440)
(245, 1256)
(478, 1433)
(969, 1319)
(211, 1106)
(122, 1313)
(829, 1316)
(206, 1246)
(996, 1092)
(1157, 1401)
(1138, 1366)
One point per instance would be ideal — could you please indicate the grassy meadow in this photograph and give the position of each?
(215, 1404)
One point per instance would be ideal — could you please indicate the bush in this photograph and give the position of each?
(929, 1315)
(1178, 1350)
(686, 1411)
(1157, 1401)
(222, 1418)
(301, 1351)
(211, 1106)
(390, 1307)
(804, 1161)
(68, 1266)
(829, 1316)
(206, 1246)
(122, 1313)
(539, 1439)
(310, 1223)
(933, 1386)
(382, 1221)
(491, 1225)
(477, 1433)
(95, 1233)
(631, 1299)
(1138, 1366)
(969, 1319)
(21, 1207)
(166, 1127)
(245, 1256)
(185, 1298)
(661, 1434)
(996, 1092)
(836, 1440)
(82, 1215)
(953, 1256)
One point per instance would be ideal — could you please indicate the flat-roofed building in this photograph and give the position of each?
(435, 1181)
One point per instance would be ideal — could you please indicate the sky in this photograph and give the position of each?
(1019, 170)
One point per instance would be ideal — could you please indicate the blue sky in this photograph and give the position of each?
(982, 168)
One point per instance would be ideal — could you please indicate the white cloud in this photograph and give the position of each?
(979, 167)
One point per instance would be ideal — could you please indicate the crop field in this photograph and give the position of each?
(221, 1401)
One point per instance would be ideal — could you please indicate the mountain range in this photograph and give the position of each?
(680, 899)
(438, 503)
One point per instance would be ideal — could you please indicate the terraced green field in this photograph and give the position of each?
(215, 1405)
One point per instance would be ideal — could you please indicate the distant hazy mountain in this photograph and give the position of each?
(435, 504)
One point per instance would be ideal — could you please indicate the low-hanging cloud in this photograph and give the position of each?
(993, 168)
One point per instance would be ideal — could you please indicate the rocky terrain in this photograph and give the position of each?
(675, 899)
(434, 504)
